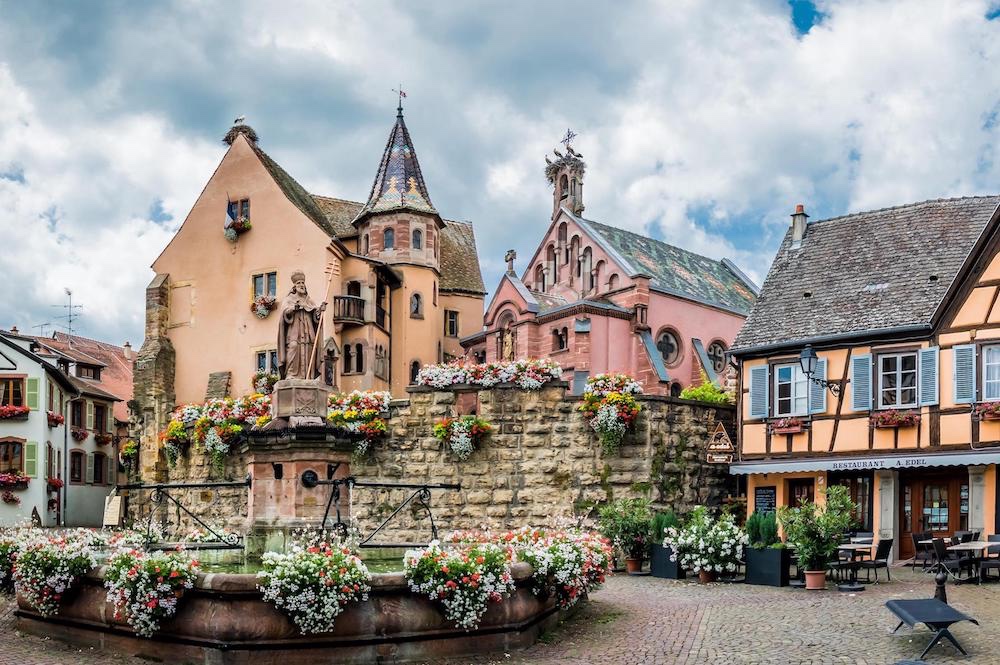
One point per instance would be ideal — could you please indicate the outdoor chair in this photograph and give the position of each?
(922, 553)
(881, 560)
(991, 557)
(945, 560)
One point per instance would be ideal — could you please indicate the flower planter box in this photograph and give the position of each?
(895, 425)
(15, 487)
(989, 416)
(794, 429)
(660, 564)
(769, 566)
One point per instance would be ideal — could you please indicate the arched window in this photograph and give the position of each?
(416, 306)
(563, 186)
(675, 389)
(597, 274)
(586, 268)
(550, 260)
(669, 346)
(613, 281)
(574, 246)
(539, 277)
(717, 356)
(348, 359)
(572, 187)
(364, 245)
(418, 239)
(562, 241)
(359, 358)
(414, 371)
(388, 239)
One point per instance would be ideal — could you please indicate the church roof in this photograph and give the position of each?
(674, 270)
(399, 184)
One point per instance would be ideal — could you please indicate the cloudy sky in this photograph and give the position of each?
(699, 126)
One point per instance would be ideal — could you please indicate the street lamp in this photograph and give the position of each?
(807, 361)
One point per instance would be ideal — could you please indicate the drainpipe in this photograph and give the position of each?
(64, 504)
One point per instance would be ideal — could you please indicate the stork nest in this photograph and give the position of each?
(567, 161)
(236, 130)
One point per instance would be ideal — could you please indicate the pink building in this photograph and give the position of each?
(598, 299)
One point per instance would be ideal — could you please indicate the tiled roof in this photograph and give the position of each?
(547, 301)
(295, 193)
(867, 271)
(116, 376)
(677, 270)
(459, 259)
(339, 214)
(399, 183)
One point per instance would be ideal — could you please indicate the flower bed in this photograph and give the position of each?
(47, 566)
(706, 544)
(894, 418)
(145, 588)
(215, 425)
(526, 374)
(262, 306)
(610, 406)
(14, 412)
(55, 419)
(360, 412)
(462, 434)
(313, 584)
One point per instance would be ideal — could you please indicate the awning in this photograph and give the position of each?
(867, 462)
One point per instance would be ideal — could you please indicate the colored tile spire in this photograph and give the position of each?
(399, 182)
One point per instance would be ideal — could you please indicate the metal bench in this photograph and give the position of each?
(932, 613)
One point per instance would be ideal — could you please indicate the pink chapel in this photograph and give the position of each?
(596, 299)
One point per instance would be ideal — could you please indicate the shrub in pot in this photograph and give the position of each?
(707, 545)
(816, 531)
(768, 559)
(625, 522)
(662, 563)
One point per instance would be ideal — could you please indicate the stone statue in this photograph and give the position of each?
(300, 324)
(508, 344)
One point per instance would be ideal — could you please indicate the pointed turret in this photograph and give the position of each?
(399, 184)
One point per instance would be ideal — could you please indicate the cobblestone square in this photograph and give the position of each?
(640, 620)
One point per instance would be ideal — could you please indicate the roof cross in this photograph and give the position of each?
(570, 135)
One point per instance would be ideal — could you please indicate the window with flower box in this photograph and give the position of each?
(11, 391)
(267, 361)
(991, 373)
(11, 456)
(791, 391)
(265, 284)
(897, 380)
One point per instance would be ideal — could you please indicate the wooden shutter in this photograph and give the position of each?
(964, 373)
(31, 393)
(111, 478)
(111, 418)
(90, 414)
(758, 391)
(861, 383)
(929, 376)
(817, 391)
(89, 478)
(31, 459)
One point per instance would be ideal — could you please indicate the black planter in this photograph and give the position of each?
(768, 566)
(660, 564)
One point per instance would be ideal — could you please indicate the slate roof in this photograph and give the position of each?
(339, 214)
(547, 301)
(459, 259)
(399, 184)
(116, 375)
(675, 270)
(868, 271)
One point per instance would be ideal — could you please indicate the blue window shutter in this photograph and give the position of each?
(964, 373)
(758, 391)
(861, 383)
(817, 391)
(929, 376)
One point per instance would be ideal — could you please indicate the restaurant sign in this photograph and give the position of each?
(720, 446)
(892, 463)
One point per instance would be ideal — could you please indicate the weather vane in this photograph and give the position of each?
(402, 95)
(570, 135)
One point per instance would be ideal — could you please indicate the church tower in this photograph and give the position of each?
(565, 174)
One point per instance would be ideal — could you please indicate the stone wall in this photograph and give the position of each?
(542, 463)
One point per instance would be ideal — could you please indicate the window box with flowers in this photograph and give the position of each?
(462, 434)
(54, 484)
(55, 419)
(79, 434)
(236, 228)
(988, 410)
(791, 425)
(13, 481)
(894, 419)
(103, 438)
(263, 305)
(14, 412)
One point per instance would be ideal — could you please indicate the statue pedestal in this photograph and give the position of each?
(298, 402)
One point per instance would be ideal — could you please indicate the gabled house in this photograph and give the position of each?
(900, 307)
(598, 299)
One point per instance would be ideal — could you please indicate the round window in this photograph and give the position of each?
(669, 347)
(717, 356)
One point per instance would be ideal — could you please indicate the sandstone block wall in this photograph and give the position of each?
(541, 463)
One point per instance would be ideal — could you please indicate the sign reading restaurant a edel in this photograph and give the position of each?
(866, 463)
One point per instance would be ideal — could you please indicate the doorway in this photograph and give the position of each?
(800, 490)
(935, 502)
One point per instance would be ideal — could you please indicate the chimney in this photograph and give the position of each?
(14, 330)
(127, 351)
(799, 226)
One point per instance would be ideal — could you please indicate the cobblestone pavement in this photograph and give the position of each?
(643, 620)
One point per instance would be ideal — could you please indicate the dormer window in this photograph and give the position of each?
(88, 372)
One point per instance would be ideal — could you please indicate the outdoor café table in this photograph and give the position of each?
(855, 549)
(973, 546)
(862, 539)
(932, 613)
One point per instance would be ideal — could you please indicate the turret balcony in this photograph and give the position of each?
(349, 310)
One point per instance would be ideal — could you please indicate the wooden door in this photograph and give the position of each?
(800, 490)
(937, 503)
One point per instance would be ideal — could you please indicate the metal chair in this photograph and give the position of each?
(922, 553)
(880, 560)
(946, 560)
(990, 562)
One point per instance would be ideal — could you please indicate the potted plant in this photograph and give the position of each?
(988, 410)
(768, 559)
(662, 562)
(625, 522)
(816, 530)
(790, 425)
(707, 545)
